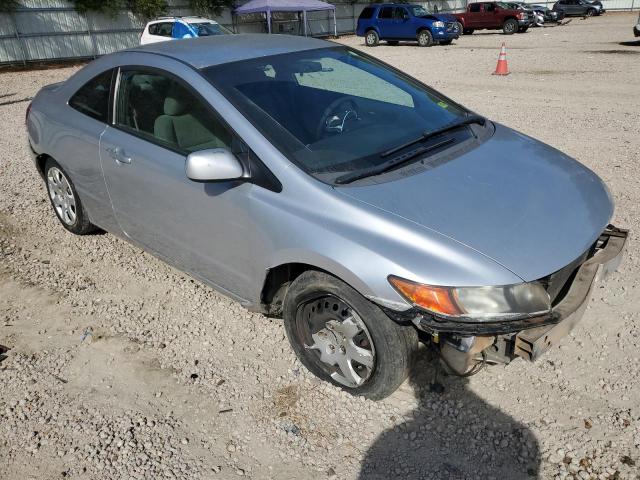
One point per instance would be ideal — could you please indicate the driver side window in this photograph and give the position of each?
(340, 77)
(162, 110)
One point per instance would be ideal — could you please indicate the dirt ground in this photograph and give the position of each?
(118, 366)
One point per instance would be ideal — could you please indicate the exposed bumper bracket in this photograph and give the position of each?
(532, 343)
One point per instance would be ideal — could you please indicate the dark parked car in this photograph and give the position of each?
(396, 22)
(636, 28)
(547, 14)
(580, 8)
(494, 16)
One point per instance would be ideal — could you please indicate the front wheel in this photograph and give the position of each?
(425, 39)
(371, 38)
(510, 27)
(343, 338)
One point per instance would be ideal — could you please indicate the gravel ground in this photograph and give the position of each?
(119, 366)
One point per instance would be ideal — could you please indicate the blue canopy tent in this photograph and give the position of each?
(304, 6)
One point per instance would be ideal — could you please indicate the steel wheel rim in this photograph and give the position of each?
(510, 27)
(61, 194)
(336, 340)
(371, 38)
(422, 39)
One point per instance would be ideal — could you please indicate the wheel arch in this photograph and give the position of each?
(40, 160)
(279, 277)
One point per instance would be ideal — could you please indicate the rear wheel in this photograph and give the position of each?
(510, 26)
(343, 338)
(425, 39)
(371, 38)
(459, 28)
(65, 201)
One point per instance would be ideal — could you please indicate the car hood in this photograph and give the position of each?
(443, 17)
(524, 204)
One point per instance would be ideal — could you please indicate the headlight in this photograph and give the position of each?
(438, 24)
(477, 303)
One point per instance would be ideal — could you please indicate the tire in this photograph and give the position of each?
(467, 31)
(319, 308)
(590, 12)
(510, 26)
(65, 200)
(445, 42)
(371, 38)
(425, 39)
(392, 43)
(459, 28)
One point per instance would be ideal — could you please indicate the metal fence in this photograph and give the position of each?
(45, 30)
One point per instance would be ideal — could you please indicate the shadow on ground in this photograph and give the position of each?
(3, 350)
(454, 435)
(633, 43)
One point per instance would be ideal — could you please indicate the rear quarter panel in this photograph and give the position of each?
(72, 139)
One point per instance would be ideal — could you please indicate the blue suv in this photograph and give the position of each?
(395, 22)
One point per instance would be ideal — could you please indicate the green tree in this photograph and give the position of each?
(207, 7)
(8, 5)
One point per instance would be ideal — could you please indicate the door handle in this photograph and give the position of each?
(119, 155)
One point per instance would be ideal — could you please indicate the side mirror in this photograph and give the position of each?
(214, 165)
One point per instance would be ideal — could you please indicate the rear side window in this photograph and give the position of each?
(385, 12)
(474, 7)
(93, 98)
(162, 29)
(367, 13)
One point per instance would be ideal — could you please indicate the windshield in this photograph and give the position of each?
(418, 11)
(332, 110)
(205, 29)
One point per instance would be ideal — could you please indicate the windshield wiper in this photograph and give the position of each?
(432, 133)
(389, 164)
(400, 159)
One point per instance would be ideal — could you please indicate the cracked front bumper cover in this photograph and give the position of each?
(532, 343)
(534, 335)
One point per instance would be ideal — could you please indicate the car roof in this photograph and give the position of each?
(219, 49)
(186, 19)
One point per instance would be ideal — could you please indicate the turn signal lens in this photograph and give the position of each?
(435, 299)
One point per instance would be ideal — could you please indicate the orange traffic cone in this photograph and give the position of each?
(502, 68)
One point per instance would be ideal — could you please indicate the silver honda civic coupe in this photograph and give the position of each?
(310, 181)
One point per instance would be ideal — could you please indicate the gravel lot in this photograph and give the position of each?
(122, 367)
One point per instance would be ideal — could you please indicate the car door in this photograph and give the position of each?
(203, 228)
(385, 22)
(474, 16)
(402, 27)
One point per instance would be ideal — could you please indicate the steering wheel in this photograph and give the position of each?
(337, 117)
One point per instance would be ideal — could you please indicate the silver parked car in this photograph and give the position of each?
(311, 181)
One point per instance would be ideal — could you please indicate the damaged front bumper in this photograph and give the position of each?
(500, 342)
